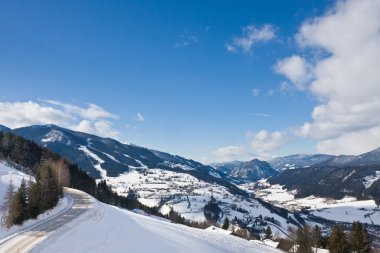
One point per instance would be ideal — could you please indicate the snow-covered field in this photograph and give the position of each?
(106, 228)
(348, 209)
(187, 195)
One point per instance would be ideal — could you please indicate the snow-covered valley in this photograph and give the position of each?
(187, 195)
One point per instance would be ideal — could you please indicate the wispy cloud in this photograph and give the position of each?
(260, 114)
(139, 117)
(250, 36)
(255, 92)
(186, 40)
(231, 153)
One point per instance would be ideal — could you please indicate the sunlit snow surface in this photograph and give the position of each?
(186, 195)
(182, 192)
(109, 229)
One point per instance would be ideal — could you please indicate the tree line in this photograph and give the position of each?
(36, 196)
(303, 239)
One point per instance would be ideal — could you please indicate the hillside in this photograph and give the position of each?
(335, 182)
(105, 157)
(299, 161)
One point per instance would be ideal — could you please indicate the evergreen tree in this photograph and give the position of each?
(268, 233)
(303, 240)
(22, 195)
(226, 224)
(34, 196)
(316, 237)
(359, 239)
(337, 242)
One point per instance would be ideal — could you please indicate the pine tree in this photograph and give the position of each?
(316, 237)
(226, 224)
(303, 240)
(268, 233)
(337, 242)
(22, 195)
(34, 199)
(359, 239)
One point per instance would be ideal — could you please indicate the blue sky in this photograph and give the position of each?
(173, 75)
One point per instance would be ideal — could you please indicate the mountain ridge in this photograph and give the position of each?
(105, 157)
(247, 171)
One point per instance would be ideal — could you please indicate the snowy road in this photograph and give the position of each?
(87, 225)
(25, 240)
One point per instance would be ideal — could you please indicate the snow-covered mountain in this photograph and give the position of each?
(304, 160)
(105, 157)
(246, 171)
(366, 159)
(299, 161)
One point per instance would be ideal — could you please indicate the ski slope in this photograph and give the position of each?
(105, 228)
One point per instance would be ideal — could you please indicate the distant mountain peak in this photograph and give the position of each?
(252, 170)
(5, 129)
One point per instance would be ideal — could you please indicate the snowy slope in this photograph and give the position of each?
(347, 209)
(106, 228)
(8, 173)
(187, 195)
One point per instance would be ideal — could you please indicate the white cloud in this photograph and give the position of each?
(261, 114)
(92, 119)
(346, 81)
(355, 142)
(250, 36)
(92, 112)
(231, 153)
(139, 117)
(296, 69)
(263, 142)
(128, 126)
(19, 114)
(186, 40)
(255, 92)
